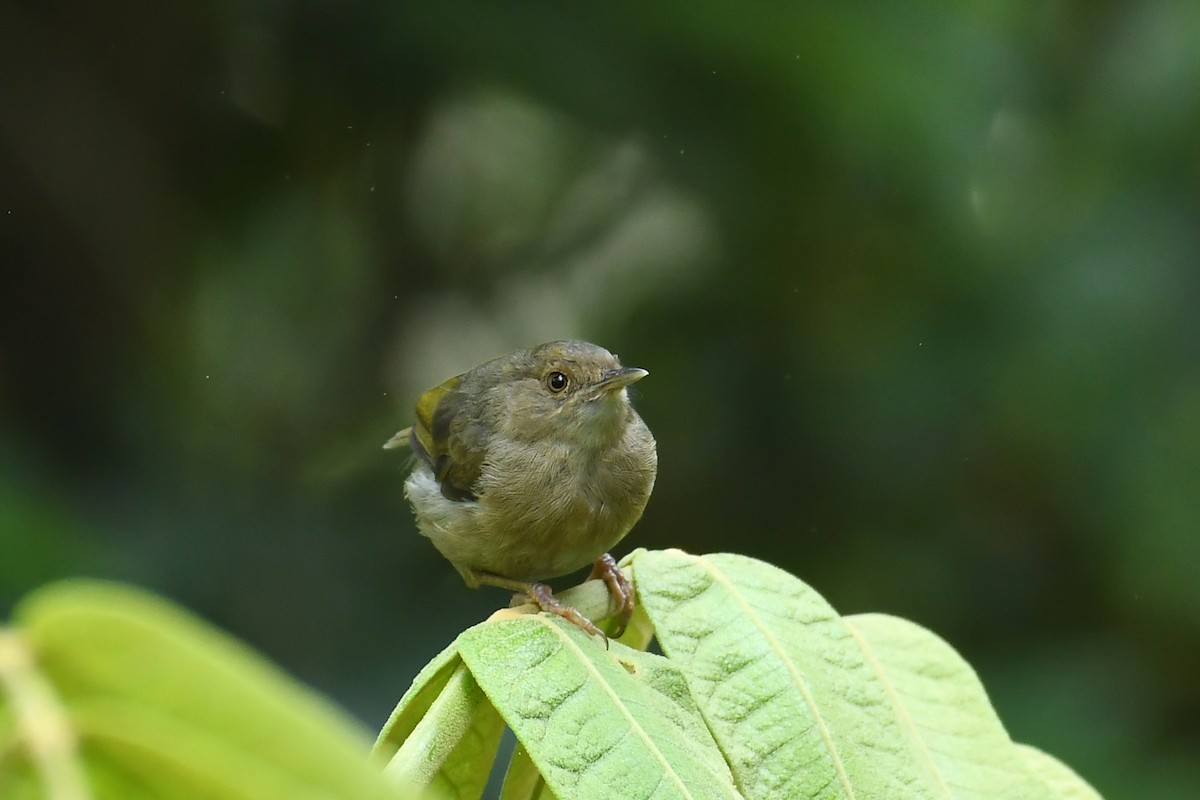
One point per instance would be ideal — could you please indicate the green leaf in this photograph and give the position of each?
(145, 699)
(443, 734)
(591, 718)
(805, 704)
(1057, 775)
(451, 748)
(778, 677)
(766, 692)
(416, 702)
(522, 781)
(951, 730)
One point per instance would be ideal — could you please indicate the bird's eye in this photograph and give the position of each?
(556, 382)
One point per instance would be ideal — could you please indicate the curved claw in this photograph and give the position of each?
(605, 568)
(540, 594)
(619, 589)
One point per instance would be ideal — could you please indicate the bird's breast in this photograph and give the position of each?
(554, 508)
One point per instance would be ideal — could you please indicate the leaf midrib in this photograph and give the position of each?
(793, 671)
(633, 723)
(906, 721)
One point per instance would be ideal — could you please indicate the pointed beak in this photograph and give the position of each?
(618, 379)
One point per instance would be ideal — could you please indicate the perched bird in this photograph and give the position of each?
(531, 466)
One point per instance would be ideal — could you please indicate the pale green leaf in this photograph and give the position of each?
(415, 703)
(779, 678)
(450, 750)
(169, 757)
(466, 771)
(1058, 776)
(766, 693)
(154, 702)
(597, 722)
(522, 781)
(950, 727)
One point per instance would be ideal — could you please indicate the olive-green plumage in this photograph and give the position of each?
(532, 466)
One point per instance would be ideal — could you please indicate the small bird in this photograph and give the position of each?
(531, 466)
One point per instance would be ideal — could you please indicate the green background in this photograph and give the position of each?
(917, 290)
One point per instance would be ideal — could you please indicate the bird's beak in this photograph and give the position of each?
(618, 379)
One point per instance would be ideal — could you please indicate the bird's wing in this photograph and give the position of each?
(447, 440)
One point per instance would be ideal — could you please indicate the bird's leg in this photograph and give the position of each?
(544, 599)
(619, 588)
(540, 593)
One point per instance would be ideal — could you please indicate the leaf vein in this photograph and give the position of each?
(634, 725)
(901, 711)
(794, 672)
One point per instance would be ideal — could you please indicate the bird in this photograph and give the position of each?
(529, 467)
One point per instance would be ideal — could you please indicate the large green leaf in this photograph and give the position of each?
(597, 722)
(111, 692)
(806, 704)
(444, 734)
(416, 702)
(765, 692)
(778, 677)
(949, 726)
(1061, 778)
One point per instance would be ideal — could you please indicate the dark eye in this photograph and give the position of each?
(556, 382)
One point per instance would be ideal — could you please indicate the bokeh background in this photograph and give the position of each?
(917, 290)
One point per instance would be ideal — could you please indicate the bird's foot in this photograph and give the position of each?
(541, 595)
(619, 589)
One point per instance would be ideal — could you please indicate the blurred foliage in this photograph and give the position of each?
(110, 692)
(916, 289)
